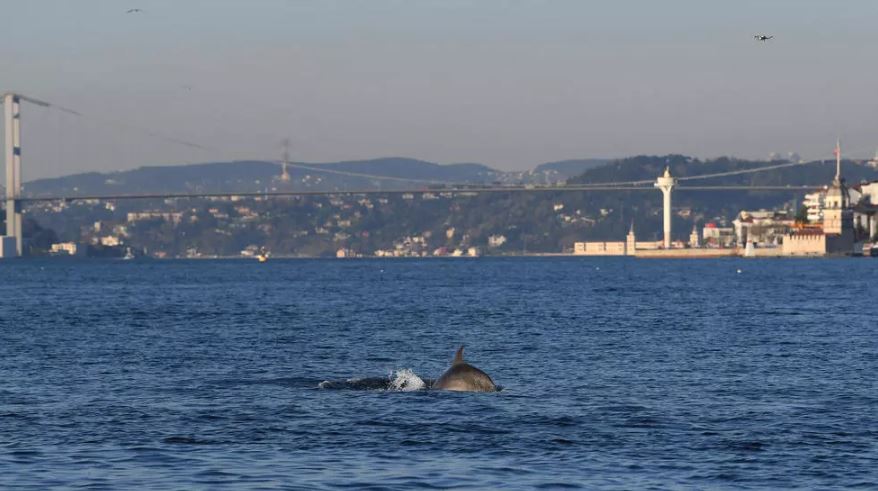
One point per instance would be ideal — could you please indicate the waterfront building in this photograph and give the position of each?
(171, 217)
(496, 240)
(345, 253)
(814, 204)
(716, 236)
(866, 209)
(836, 236)
(838, 216)
(68, 248)
(765, 227)
(110, 241)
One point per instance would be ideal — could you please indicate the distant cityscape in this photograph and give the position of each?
(836, 219)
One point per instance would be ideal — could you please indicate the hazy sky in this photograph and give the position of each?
(507, 83)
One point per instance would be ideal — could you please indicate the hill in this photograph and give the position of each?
(571, 168)
(257, 176)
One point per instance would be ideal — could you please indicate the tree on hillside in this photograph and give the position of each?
(802, 215)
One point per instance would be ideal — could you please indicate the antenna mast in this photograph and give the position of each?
(285, 175)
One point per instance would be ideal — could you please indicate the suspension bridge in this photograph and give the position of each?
(15, 199)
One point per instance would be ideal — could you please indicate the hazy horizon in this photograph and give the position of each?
(506, 84)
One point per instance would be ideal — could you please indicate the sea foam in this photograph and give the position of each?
(406, 380)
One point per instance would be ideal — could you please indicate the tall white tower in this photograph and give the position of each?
(666, 184)
(12, 121)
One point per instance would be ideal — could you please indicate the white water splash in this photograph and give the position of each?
(406, 380)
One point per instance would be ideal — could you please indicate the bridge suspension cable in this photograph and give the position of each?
(118, 123)
(746, 171)
(373, 176)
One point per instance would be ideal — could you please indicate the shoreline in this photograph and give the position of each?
(664, 255)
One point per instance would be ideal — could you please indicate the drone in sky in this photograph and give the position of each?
(762, 37)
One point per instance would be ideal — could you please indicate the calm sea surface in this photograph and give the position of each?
(616, 373)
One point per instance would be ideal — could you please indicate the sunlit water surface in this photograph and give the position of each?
(616, 373)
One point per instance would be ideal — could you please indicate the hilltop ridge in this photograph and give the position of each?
(257, 176)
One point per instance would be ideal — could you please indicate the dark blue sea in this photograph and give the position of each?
(307, 374)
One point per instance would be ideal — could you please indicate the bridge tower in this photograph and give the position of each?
(12, 122)
(666, 184)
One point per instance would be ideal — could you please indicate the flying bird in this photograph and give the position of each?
(133, 11)
(762, 37)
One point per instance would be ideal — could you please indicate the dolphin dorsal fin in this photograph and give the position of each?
(458, 357)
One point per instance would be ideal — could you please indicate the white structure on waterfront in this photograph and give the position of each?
(763, 227)
(666, 184)
(837, 235)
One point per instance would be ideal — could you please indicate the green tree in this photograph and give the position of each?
(802, 215)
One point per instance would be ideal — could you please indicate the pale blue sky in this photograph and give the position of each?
(506, 83)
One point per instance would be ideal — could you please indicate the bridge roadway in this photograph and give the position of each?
(454, 190)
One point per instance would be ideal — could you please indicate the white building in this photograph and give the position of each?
(172, 217)
(496, 240)
(714, 236)
(763, 226)
(815, 202)
(110, 241)
(68, 248)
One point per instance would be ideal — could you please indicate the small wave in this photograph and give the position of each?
(404, 380)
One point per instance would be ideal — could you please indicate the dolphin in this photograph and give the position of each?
(464, 377)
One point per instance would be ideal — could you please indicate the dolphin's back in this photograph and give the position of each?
(464, 377)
